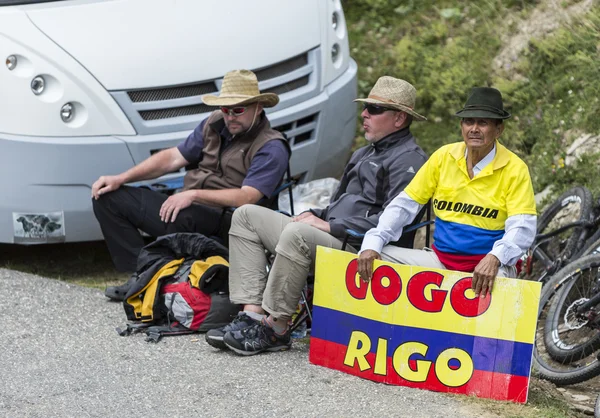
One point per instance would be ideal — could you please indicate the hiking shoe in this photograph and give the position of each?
(256, 339)
(215, 336)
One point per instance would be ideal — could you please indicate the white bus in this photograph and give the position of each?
(93, 87)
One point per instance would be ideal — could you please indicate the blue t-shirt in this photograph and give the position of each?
(266, 169)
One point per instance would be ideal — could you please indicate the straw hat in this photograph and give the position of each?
(394, 93)
(240, 87)
(485, 103)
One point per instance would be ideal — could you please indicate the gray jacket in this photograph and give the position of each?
(375, 175)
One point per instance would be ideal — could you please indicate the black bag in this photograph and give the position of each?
(181, 288)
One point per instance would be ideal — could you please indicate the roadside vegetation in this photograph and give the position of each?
(551, 86)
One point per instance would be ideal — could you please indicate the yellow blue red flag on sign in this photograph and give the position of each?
(423, 327)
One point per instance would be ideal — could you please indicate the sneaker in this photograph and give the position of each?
(215, 336)
(256, 339)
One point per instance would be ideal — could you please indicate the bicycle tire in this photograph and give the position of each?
(574, 238)
(591, 246)
(544, 365)
(568, 349)
(597, 407)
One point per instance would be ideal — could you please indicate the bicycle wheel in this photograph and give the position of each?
(573, 205)
(554, 338)
(574, 335)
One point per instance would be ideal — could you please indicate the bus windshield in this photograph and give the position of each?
(16, 2)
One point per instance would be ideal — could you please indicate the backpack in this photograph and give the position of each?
(174, 296)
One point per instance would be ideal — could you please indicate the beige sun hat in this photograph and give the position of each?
(240, 87)
(394, 93)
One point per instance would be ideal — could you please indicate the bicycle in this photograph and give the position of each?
(567, 335)
(556, 243)
(567, 332)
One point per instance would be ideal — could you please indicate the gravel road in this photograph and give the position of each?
(61, 357)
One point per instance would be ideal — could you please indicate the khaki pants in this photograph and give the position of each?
(255, 229)
(427, 258)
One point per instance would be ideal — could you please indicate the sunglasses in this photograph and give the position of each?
(234, 111)
(374, 109)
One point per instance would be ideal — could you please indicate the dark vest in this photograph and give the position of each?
(228, 169)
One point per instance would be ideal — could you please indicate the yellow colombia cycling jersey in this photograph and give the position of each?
(471, 212)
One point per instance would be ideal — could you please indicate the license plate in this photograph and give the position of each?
(39, 228)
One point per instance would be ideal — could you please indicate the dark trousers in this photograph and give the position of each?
(127, 210)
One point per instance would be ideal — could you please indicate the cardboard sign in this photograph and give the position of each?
(423, 328)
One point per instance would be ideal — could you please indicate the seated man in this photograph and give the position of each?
(482, 198)
(375, 174)
(239, 160)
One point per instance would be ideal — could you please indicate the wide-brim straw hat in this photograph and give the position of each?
(240, 87)
(394, 93)
(484, 103)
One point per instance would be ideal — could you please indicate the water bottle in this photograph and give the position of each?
(300, 332)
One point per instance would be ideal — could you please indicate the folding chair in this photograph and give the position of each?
(355, 237)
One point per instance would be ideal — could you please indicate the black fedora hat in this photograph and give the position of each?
(484, 102)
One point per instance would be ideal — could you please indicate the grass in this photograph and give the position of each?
(544, 401)
(83, 263)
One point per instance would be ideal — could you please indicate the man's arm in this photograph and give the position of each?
(220, 198)
(265, 172)
(158, 164)
(519, 231)
(519, 234)
(227, 197)
(399, 213)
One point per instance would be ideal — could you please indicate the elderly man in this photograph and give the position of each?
(239, 160)
(375, 174)
(482, 198)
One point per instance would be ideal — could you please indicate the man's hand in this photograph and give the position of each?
(174, 204)
(302, 216)
(106, 184)
(312, 220)
(365, 264)
(484, 275)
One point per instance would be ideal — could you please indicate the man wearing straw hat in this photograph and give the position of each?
(482, 197)
(375, 174)
(239, 159)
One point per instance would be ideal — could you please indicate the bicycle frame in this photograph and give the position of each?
(590, 303)
(552, 266)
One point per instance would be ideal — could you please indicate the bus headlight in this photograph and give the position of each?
(67, 112)
(11, 62)
(335, 20)
(38, 84)
(335, 53)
